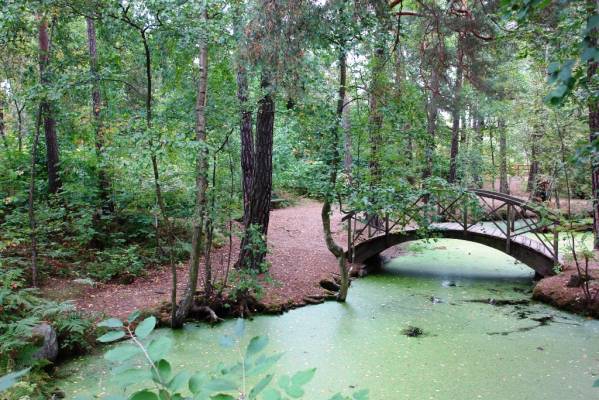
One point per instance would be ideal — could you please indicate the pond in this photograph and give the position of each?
(473, 346)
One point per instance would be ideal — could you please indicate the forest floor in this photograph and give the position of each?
(299, 261)
(298, 256)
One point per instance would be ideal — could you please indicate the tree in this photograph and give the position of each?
(52, 152)
(201, 182)
(103, 180)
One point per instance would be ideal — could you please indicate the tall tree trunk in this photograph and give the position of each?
(593, 106)
(455, 114)
(477, 160)
(503, 180)
(201, 187)
(157, 186)
(375, 118)
(2, 123)
(52, 152)
(247, 139)
(31, 203)
(19, 109)
(347, 139)
(260, 196)
(333, 247)
(534, 163)
(432, 111)
(103, 182)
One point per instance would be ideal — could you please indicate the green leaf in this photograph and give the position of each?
(256, 345)
(164, 370)
(271, 394)
(133, 316)
(260, 386)
(217, 385)
(159, 348)
(294, 391)
(596, 384)
(8, 380)
(284, 382)
(239, 329)
(196, 382)
(122, 353)
(303, 377)
(263, 363)
(179, 381)
(145, 327)
(361, 395)
(111, 336)
(222, 396)
(111, 323)
(144, 395)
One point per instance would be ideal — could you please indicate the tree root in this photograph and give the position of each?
(212, 317)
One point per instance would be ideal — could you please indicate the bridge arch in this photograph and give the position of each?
(535, 243)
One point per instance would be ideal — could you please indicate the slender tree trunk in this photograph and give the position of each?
(19, 109)
(31, 206)
(534, 166)
(103, 181)
(432, 112)
(2, 123)
(333, 247)
(260, 196)
(477, 160)
(52, 152)
(503, 181)
(455, 115)
(347, 139)
(593, 106)
(201, 187)
(156, 173)
(375, 118)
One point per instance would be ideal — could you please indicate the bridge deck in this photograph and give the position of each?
(481, 229)
(526, 249)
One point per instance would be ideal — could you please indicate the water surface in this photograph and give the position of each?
(470, 349)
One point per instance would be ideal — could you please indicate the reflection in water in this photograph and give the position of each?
(462, 353)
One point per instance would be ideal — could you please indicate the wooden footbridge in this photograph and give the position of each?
(523, 230)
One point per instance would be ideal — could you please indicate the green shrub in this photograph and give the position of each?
(116, 261)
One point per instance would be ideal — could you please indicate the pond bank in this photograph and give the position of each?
(563, 291)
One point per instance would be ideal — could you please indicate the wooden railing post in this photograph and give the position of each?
(508, 229)
(465, 215)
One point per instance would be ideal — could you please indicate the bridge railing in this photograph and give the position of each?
(472, 210)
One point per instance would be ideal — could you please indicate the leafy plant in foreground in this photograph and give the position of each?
(246, 379)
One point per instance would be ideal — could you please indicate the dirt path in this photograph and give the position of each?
(298, 256)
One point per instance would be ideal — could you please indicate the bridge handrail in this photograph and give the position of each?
(516, 209)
